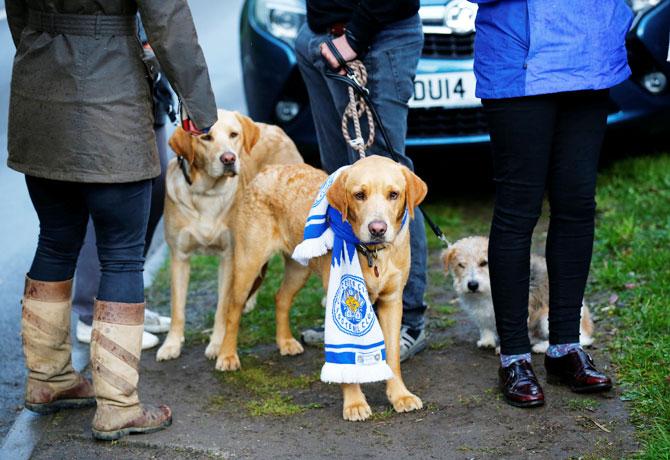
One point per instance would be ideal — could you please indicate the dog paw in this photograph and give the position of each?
(486, 343)
(356, 412)
(289, 347)
(407, 403)
(585, 340)
(169, 350)
(540, 347)
(228, 363)
(212, 350)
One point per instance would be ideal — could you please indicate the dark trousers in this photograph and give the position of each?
(119, 212)
(543, 143)
(87, 277)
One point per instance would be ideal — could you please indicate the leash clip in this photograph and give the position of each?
(444, 239)
(360, 88)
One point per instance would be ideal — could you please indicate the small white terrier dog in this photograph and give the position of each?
(467, 261)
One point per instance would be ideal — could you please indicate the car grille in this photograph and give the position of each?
(449, 45)
(440, 122)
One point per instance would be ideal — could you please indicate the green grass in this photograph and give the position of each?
(265, 390)
(258, 326)
(632, 260)
(458, 219)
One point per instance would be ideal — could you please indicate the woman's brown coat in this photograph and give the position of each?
(81, 106)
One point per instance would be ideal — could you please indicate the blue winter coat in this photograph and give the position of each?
(530, 47)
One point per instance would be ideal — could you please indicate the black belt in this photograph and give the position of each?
(98, 25)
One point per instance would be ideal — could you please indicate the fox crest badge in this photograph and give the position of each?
(353, 314)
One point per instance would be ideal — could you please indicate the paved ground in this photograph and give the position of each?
(18, 234)
(217, 23)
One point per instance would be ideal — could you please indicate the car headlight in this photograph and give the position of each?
(641, 5)
(281, 18)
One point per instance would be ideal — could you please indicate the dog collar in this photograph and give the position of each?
(184, 169)
(370, 254)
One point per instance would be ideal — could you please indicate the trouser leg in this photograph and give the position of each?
(580, 128)
(521, 138)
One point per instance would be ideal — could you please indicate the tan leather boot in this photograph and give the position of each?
(45, 324)
(116, 344)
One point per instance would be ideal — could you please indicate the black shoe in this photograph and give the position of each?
(576, 370)
(519, 385)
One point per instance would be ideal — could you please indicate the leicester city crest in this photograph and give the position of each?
(352, 312)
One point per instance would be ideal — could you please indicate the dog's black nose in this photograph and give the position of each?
(377, 228)
(473, 286)
(227, 158)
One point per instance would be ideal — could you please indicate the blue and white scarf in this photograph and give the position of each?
(354, 342)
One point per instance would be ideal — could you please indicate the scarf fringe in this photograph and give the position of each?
(314, 247)
(352, 373)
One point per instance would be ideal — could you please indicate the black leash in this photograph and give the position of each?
(351, 80)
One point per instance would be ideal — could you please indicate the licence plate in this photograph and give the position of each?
(450, 90)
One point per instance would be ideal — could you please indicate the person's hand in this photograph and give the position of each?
(343, 47)
(193, 130)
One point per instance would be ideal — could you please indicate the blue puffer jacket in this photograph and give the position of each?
(531, 47)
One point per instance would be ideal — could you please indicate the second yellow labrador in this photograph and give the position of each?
(201, 197)
(372, 195)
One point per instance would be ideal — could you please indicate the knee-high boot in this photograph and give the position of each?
(45, 326)
(116, 345)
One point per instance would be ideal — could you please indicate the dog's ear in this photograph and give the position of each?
(251, 133)
(447, 256)
(337, 195)
(415, 190)
(181, 143)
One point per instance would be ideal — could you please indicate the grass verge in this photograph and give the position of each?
(632, 263)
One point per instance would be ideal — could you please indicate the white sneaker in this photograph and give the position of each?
(155, 323)
(84, 332)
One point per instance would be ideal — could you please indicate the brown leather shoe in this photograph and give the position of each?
(519, 385)
(576, 370)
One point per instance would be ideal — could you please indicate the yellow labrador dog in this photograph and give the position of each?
(201, 196)
(372, 195)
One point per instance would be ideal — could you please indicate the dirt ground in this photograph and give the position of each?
(464, 418)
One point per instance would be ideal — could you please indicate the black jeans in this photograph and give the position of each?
(543, 143)
(120, 213)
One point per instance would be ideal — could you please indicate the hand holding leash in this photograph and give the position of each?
(342, 48)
